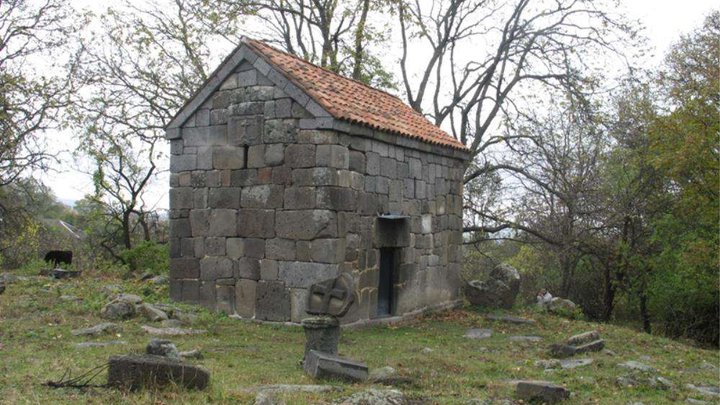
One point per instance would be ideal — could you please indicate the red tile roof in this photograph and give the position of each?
(349, 100)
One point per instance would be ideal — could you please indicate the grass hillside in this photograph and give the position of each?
(37, 315)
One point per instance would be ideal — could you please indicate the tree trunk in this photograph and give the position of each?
(126, 230)
(608, 293)
(644, 315)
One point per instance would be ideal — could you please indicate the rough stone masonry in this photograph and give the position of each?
(270, 193)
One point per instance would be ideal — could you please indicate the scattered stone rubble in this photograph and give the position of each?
(498, 291)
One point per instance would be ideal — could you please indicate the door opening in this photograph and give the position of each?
(386, 283)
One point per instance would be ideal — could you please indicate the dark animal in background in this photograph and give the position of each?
(56, 257)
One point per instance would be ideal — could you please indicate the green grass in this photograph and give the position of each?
(36, 346)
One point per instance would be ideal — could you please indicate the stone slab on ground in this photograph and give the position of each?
(583, 338)
(137, 372)
(696, 401)
(568, 364)
(290, 388)
(99, 329)
(129, 298)
(478, 333)
(375, 397)
(544, 391)
(388, 376)
(171, 331)
(85, 345)
(636, 365)
(594, 346)
(511, 319)
(561, 350)
(707, 390)
(548, 364)
(60, 274)
(525, 338)
(327, 366)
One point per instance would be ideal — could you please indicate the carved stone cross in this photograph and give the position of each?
(331, 297)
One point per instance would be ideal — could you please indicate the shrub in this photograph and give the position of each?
(148, 256)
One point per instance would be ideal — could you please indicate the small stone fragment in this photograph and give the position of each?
(192, 354)
(159, 280)
(151, 313)
(164, 348)
(118, 310)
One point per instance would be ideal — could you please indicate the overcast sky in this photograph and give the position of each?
(664, 20)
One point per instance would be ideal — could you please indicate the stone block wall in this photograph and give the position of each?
(263, 204)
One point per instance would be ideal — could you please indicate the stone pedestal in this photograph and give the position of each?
(322, 334)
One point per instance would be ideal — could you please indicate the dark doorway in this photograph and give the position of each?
(386, 283)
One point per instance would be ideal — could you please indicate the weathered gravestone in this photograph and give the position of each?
(322, 333)
(327, 366)
(543, 391)
(136, 372)
(328, 300)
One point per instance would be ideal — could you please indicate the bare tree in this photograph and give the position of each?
(560, 199)
(486, 58)
(135, 75)
(30, 102)
(336, 34)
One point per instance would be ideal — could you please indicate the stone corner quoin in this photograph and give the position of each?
(267, 199)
